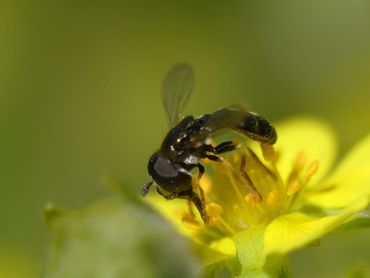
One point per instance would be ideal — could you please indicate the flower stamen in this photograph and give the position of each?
(272, 198)
(252, 199)
(214, 209)
(312, 169)
(293, 187)
(300, 161)
(232, 175)
(255, 192)
(190, 222)
(226, 226)
(260, 163)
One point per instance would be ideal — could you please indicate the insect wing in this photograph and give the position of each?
(176, 90)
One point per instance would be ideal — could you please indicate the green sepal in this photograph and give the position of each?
(225, 268)
(254, 263)
(358, 222)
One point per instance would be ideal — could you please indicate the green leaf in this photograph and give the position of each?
(115, 238)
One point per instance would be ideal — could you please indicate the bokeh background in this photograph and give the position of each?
(80, 96)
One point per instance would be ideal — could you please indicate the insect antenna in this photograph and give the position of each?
(146, 188)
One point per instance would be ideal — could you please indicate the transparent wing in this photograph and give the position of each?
(176, 90)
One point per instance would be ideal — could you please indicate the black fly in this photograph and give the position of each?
(185, 144)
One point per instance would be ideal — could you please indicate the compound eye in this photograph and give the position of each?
(164, 168)
(169, 176)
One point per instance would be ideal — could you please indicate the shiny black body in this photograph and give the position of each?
(185, 145)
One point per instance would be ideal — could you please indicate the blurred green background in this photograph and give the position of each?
(80, 94)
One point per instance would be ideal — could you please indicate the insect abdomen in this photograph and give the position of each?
(248, 123)
(257, 128)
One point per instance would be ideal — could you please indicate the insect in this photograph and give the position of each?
(185, 145)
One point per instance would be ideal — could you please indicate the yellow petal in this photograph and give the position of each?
(292, 231)
(348, 182)
(311, 137)
(173, 210)
(216, 251)
(225, 246)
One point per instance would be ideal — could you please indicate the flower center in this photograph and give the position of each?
(248, 190)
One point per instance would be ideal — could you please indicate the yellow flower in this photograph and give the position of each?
(264, 202)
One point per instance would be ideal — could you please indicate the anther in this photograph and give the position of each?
(261, 164)
(293, 187)
(300, 161)
(272, 198)
(214, 220)
(252, 199)
(312, 169)
(214, 209)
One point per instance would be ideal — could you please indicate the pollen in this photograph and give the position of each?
(213, 221)
(214, 209)
(252, 199)
(247, 190)
(272, 198)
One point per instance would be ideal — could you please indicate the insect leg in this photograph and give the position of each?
(201, 170)
(192, 196)
(248, 179)
(221, 148)
(212, 157)
(146, 188)
(202, 152)
(225, 147)
(199, 203)
(201, 192)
